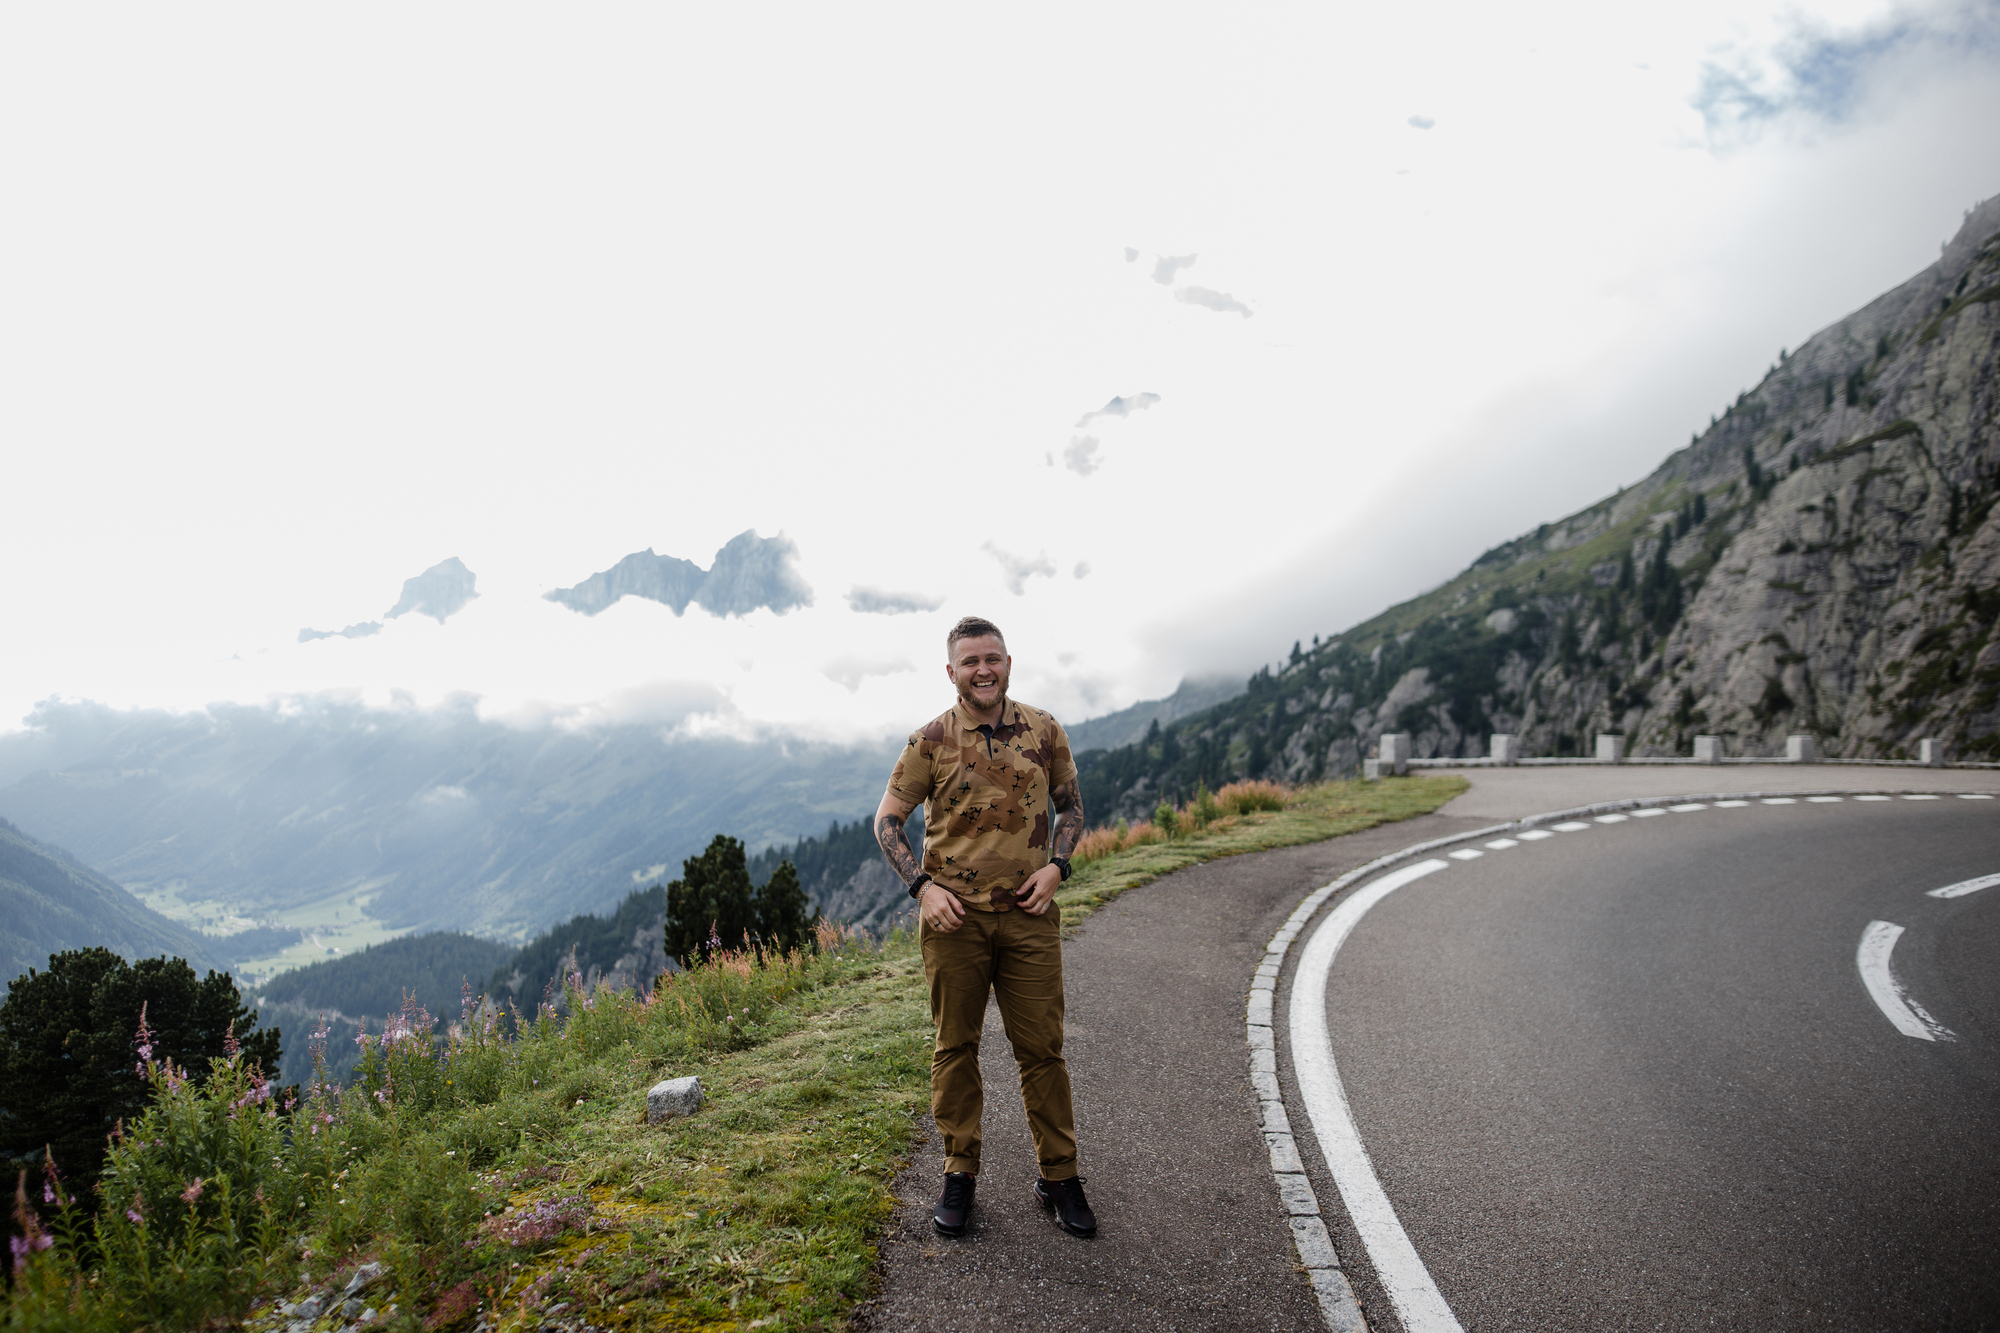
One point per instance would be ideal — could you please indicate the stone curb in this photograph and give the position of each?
(1309, 1234)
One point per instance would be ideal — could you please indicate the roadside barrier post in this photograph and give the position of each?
(1506, 750)
(1610, 749)
(1708, 749)
(1396, 753)
(1930, 753)
(1801, 750)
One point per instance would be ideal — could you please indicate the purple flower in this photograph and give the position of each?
(192, 1192)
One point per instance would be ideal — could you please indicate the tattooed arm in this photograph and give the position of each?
(1068, 801)
(889, 817)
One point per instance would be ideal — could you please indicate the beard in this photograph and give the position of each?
(966, 696)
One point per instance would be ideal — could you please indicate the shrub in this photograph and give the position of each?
(1166, 819)
(1241, 798)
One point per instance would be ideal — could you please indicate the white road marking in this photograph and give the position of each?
(1964, 886)
(1974, 796)
(1573, 826)
(1730, 805)
(1922, 796)
(1466, 854)
(1419, 1304)
(1824, 800)
(1872, 957)
(1612, 819)
(1648, 812)
(1691, 805)
(1874, 798)
(1502, 844)
(1536, 835)
(1779, 800)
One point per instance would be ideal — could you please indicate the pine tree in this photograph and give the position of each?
(783, 912)
(710, 906)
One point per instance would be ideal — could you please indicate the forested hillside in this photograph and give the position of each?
(1824, 558)
(50, 902)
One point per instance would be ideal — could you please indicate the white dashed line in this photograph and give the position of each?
(1535, 834)
(1922, 796)
(1780, 800)
(1874, 798)
(1648, 812)
(1824, 800)
(1419, 1304)
(1974, 796)
(1573, 826)
(1965, 886)
(1502, 844)
(1872, 957)
(1730, 805)
(1691, 805)
(1612, 819)
(1466, 854)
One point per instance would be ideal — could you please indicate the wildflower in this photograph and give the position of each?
(145, 1039)
(192, 1192)
(230, 1046)
(136, 1214)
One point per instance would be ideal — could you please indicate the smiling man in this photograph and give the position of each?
(1001, 815)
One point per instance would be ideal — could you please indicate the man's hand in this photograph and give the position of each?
(1038, 890)
(940, 908)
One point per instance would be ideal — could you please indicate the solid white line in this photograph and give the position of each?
(1419, 1304)
(1964, 886)
(1872, 957)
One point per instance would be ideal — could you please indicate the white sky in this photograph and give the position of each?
(294, 305)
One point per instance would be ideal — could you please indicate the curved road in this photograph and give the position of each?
(1633, 1075)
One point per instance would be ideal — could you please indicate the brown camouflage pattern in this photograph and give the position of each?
(986, 802)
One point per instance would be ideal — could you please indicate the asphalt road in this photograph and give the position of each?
(1630, 1076)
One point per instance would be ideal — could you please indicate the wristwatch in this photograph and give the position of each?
(917, 884)
(1061, 863)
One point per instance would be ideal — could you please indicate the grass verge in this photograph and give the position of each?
(509, 1180)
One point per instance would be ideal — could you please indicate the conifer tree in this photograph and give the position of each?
(710, 906)
(783, 911)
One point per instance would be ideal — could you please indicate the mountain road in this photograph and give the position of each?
(1634, 1073)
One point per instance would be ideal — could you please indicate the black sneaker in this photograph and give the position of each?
(1072, 1209)
(954, 1206)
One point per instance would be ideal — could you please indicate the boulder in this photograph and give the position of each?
(673, 1097)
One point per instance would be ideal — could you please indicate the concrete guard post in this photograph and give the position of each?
(1394, 757)
(1506, 750)
(1801, 750)
(1610, 749)
(1930, 753)
(1708, 749)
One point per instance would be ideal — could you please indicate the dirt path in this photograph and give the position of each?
(1191, 1232)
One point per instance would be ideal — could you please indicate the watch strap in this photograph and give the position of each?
(917, 884)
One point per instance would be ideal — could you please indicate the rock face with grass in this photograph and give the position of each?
(1824, 558)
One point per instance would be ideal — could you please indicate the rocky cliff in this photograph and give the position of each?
(1824, 558)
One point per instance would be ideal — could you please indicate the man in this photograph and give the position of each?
(990, 771)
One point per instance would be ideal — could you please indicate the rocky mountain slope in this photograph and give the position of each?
(1824, 558)
(49, 902)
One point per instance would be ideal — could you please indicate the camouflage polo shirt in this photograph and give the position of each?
(987, 814)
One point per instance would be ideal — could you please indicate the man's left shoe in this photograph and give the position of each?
(1071, 1208)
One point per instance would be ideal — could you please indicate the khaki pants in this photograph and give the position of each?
(1019, 959)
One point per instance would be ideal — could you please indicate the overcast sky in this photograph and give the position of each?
(1161, 335)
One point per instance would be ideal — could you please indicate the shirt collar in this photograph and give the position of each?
(966, 724)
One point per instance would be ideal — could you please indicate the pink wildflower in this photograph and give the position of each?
(192, 1192)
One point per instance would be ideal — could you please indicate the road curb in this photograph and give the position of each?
(1312, 1242)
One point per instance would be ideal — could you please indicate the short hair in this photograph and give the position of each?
(971, 627)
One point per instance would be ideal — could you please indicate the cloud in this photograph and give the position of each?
(1018, 569)
(360, 631)
(1815, 72)
(1168, 265)
(438, 592)
(749, 572)
(1120, 407)
(1080, 457)
(1130, 254)
(1222, 301)
(1421, 122)
(1082, 569)
(874, 601)
(849, 672)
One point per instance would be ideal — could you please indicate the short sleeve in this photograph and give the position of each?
(912, 778)
(1063, 769)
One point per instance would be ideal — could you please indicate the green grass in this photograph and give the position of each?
(519, 1171)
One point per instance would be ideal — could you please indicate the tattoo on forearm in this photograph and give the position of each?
(889, 836)
(1068, 801)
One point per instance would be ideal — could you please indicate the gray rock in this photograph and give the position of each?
(350, 1308)
(363, 1278)
(310, 1308)
(673, 1097)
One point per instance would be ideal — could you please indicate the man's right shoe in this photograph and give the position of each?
(954, 1206)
